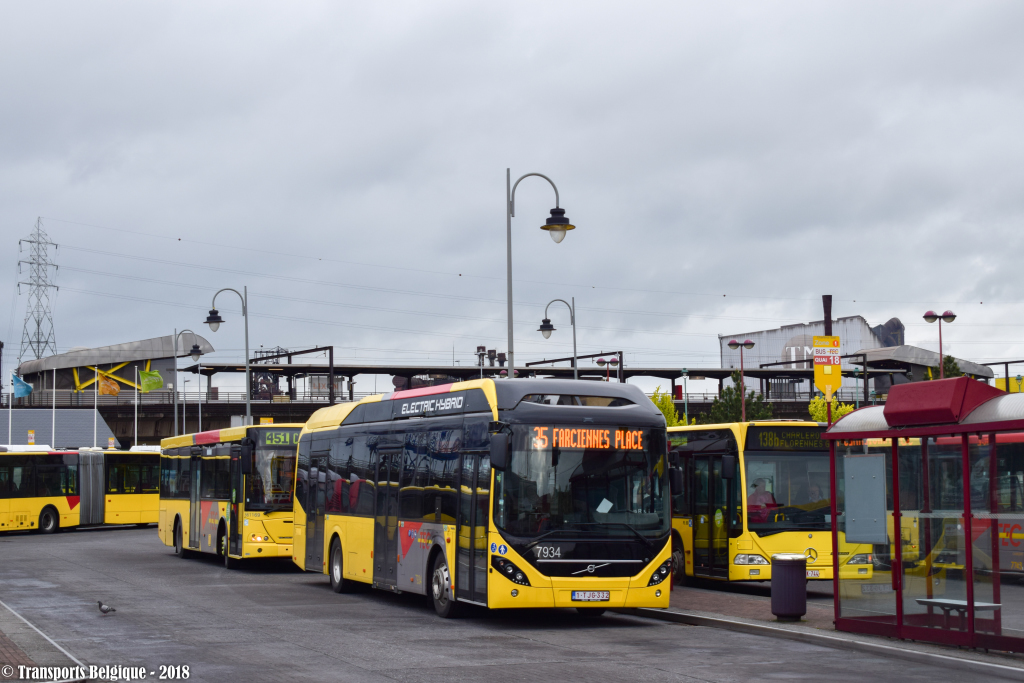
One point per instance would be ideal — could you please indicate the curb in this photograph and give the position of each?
(973, 665)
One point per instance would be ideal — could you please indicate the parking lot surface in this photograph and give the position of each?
(270, 622)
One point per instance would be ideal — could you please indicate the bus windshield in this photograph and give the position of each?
(269, 485)
(787, 491)
(605, 480)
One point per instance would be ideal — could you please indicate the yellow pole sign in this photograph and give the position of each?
(827, 374)
(31, 437)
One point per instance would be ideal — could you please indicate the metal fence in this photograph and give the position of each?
(45, 398)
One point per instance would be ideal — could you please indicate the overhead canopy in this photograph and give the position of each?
(146, 349)
(899, 357)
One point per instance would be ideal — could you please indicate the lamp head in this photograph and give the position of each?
(557, 224)
(601, 362)
(196, 352)
(747, 344)
(613, 361)
(733, 344)
(546, 328)
(214, 320)
(930, 316)
(948, 317)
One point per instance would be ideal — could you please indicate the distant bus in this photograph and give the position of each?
(753, 489)
(48, 490)
(229, 492)
(502, 494)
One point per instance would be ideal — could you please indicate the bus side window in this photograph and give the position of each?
(48, 475)
(682, 501)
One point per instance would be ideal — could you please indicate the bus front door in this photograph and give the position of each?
(711, 523)
(237, 493)
(195, 514)
(316, 508)
(385, 528)
(474, 506)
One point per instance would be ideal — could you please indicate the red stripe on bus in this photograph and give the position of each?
(422, 391)
(212, 436)
(73, 501)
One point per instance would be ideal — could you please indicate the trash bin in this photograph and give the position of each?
(789, 586)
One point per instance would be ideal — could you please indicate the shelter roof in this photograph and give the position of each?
(901, 356)
(145, 349)
(74, 426)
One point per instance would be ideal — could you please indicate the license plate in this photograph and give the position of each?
(813, 573)
(591, 596)
(875, 588)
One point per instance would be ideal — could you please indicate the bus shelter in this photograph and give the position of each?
(929, 515)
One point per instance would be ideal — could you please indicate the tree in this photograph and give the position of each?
(819, 412)
(726, 408)
(950, 368)
(667, 407)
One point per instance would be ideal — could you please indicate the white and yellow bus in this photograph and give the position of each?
(751, 490)
(502, 494)
(48, 490)
(229, 492)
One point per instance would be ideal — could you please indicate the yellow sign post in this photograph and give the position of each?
(827, 373)
(31, 437)
(266, 420)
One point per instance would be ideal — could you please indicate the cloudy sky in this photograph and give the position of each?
(726, 164)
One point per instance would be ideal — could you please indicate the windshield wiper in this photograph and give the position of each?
(538, 539)
(639, 535)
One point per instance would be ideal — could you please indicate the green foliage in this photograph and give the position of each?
(950, 367)
(726, 408)
(819, 412)
(664, 403)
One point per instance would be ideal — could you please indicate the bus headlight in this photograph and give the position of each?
(509, 570)
(862, 558)
(749, 559)
(661, 573)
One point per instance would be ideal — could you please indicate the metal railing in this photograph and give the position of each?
(844, 396)
(44, 398)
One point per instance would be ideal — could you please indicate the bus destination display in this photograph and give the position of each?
(545, 438)
(280, 437)
(785, 439)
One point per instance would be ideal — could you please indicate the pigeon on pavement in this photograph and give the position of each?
(106, 609)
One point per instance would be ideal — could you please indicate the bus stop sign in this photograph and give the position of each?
(827, 374)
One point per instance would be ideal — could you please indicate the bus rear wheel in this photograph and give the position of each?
(179, 545)
(339, 584)
(49, 522)
(441, 589)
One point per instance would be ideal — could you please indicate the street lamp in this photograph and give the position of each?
(546, 328)
(947, 317)
(747, 344)
(214, 320)
(194, 354)
(557, 224)
(608, 365)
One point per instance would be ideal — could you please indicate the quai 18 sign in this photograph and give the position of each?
(828, 376)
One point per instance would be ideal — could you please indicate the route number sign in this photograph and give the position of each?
(827, 374)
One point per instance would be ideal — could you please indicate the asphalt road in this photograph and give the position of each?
(271, 622)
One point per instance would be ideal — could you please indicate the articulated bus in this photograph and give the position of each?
(502, 494)
(751, 490)
(48, 490)
(229, 492)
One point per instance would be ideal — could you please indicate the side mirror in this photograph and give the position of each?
(728, 467)
(499, 451)
(245, 458)
(673, 458)
(675, 481)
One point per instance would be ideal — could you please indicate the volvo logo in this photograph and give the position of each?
(590, 568)
(812, 555)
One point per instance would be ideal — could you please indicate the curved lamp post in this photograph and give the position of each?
(214, 320)
(557, 224)
(195, 353)
(546, 328)
(946, 317)
(747, 344)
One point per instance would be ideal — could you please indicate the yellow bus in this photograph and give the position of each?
(753, 489)
(48, 490)
(229, 492)
(501, 494)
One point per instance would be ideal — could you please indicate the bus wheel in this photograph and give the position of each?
(48, 521)
(679, 564)
(441, 589)
(590, 611)
(229, 562)
(179, 545)
(339, 584)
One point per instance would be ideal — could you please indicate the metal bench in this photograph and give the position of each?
(960, 606)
